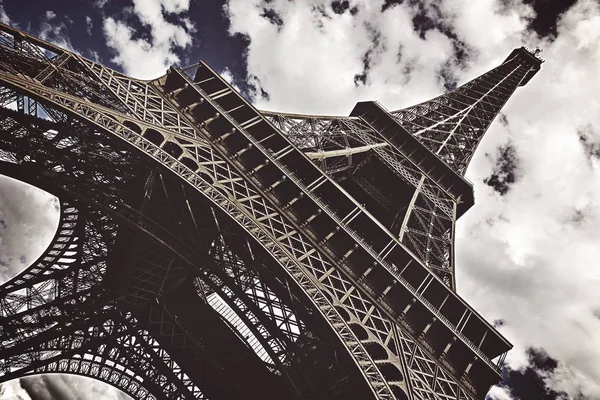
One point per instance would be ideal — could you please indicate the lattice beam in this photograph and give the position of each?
(325, 244)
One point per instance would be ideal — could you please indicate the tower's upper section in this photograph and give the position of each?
(452, 125)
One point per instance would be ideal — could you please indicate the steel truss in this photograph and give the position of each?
(428, 226)
(229, 280)
(199, 244)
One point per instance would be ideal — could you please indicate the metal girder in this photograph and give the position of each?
(55, 317)
(294, 288)
(78, 170)
(420, 233)
(101, 116)
(452, 124)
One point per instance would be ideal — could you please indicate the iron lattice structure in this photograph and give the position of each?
(206, 249)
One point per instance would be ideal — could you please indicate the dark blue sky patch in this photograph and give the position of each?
(502, 120)
(212, 42)
(32, 18)
(215, 45)
(547, 14)
(529, 384)
(504, 174)
(423, 21)
(271, 15)
(71, 16)
(587, 139)
(375, 36)
(498, 323)
(390, 3)
(448, 78)
(340, 7)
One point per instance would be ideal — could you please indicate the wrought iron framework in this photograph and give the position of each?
(210, 250)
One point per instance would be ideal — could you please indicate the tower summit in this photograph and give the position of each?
(207, 249)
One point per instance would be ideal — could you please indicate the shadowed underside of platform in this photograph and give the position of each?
(210, 250)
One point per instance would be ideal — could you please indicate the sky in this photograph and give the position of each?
(526, 253)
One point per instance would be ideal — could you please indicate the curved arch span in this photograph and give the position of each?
(93, 114)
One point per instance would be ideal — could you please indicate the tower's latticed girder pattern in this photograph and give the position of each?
(452, 125)
(209, 250)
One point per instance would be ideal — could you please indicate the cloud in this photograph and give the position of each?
(69, 387)
(500, 393)
(315, 60)
(100, 3)
(529, 256)
(505, 24)
(55, 31)
(12, 390)
(89, 25)
(46, 388)
(531, 382)
(4, 17)
(150, 57)
(29, 222)
(228, 76)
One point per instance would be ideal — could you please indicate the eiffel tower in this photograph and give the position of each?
(209, 250)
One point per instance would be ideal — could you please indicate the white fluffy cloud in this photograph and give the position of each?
(12, 390)
(489, 27)
(148, 58)
(529, 257)
(3, 16)
(499, 393)
(309, 63)
(28, 220)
